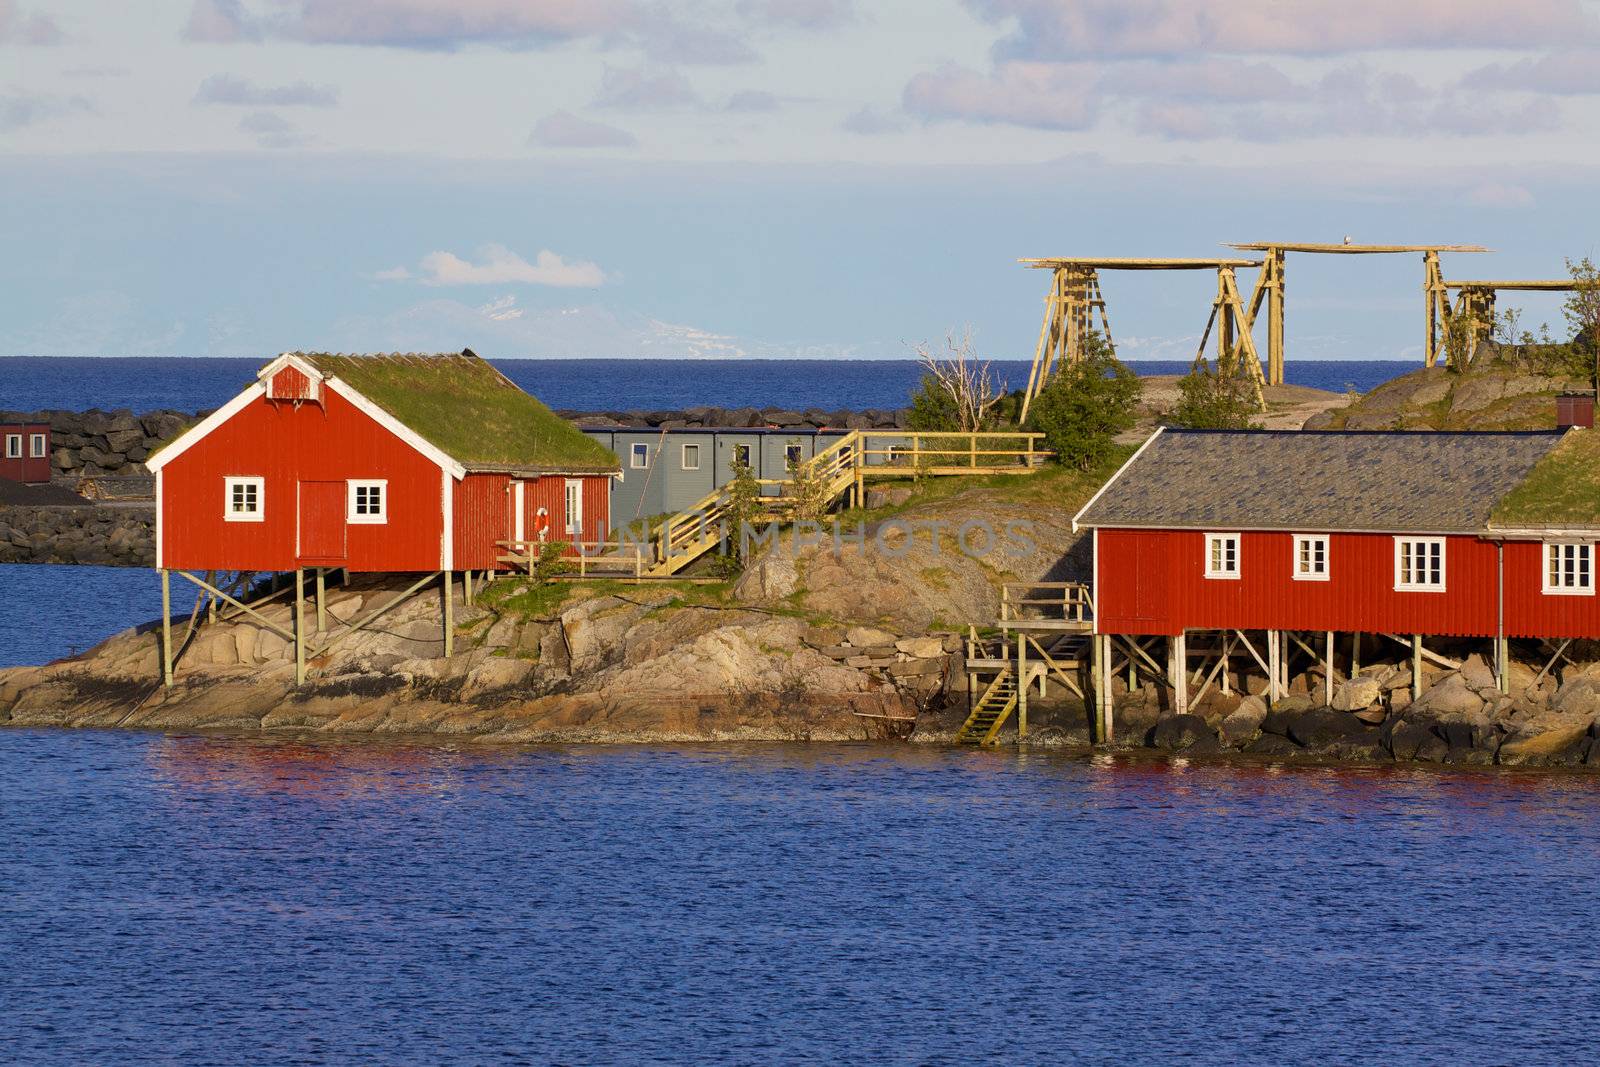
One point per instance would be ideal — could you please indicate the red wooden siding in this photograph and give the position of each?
(1153, 582)
(287, 444)
(26, 467)
(481, 514)
(485, 513)
(1531, 612)
(292, 384)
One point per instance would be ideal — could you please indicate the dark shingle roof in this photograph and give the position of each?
(1429, 482)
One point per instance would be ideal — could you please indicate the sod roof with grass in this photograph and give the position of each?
(1562, 491)
(469, 410)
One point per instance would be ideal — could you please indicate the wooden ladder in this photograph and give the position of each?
(991, 711)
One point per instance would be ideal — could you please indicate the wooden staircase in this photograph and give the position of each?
(991, 711)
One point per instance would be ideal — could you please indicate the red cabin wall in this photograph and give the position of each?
(481, 520)
(28, 468)
(485, 513)
(1153, 582)
(286, 443)
(1531, 612)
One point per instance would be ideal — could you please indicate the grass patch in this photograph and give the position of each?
(468, 409)
(1563, 489)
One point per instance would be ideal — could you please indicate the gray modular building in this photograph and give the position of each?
(669, 470)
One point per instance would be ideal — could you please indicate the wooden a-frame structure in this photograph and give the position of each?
(1475, 301)
(1269, 288)
(1075, 297)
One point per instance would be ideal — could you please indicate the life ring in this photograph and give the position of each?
(541, 525)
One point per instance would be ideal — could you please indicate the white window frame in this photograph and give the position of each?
(749, 455)
(639, 456)
(228, 484)
(1301, 543)
(574, 515)
(1587, 571)
(1402, 586)
(37, 447)
(13, 446)
(1223, 573)
(799, 455)
(352, 491)
(684, 456)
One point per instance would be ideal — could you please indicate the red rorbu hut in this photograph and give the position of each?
(1270, 544)
(384, 463)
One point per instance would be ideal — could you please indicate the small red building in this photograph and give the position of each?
(1485, 535)
(25, 452)
(397, 463)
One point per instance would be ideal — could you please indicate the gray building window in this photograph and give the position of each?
(793, 454)
(741, 454)
(641, 457)
(691, 457)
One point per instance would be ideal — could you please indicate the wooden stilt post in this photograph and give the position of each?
(1275, 262)
(1327, 673)
(299, 626)
(1502, 659)
(972, 652)
(449, 618)
(1133, 668)
(322, 597)
(1274, 668)
(1022, 686)
(166, 627)
(1097, 671)
(1180, 674)
(1416, 666)
(1355, 654)
(466, 587)
(211, 605)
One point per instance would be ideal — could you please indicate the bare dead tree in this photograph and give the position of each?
(968, 381)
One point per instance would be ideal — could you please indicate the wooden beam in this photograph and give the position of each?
(322, 596)
(449, 617)
(1351, 249)
(240, 607)
(299, 626)
(166, 628)
(1134, 263)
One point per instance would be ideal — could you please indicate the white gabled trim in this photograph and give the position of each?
(398, 428)
(1094, 590)
(189, 438)
(1148, 441)
(447, 538)
(159, 532)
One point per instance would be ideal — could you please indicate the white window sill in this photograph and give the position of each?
(1311, 577)
(244, 518)
(1568, 592)
(1419, 589)
(1222, 577)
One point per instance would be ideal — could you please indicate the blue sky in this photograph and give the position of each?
(763, 177)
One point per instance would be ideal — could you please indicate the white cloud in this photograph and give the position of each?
(499, 265)
(1071, 29)
(1499, 195)
(1570, 72)
(644, 89)
(21, 26)
(227, 89)
(802, 14)
(871, 122)
(1050, 96)
(272, 131)
(503, 309)
(25, 109)
(438, 25)
(563, 129)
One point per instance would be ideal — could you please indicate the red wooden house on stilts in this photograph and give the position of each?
(402, 464)
(1265, 545)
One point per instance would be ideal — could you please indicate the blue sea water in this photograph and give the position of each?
(182, 900)
(145, 383)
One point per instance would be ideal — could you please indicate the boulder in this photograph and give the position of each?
(1182, 733)
(1562, 747)
(1396, 679)
(921, 647)
(771, 578)
(1357, 693)
(1321, 728)
(1405, 739)
(495, 673)
(1273, 745)
(1450, 700)
(1243, 724)
(868, 637)
(1476, 673)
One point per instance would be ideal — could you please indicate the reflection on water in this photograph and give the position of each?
(188, 900)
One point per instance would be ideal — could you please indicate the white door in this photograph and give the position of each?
(575, 509)
(518, 511)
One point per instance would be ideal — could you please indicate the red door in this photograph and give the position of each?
(322, 522)
(1149, 575)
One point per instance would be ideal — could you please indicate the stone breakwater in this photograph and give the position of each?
(117, 535)
(103, 444)
(713, 418)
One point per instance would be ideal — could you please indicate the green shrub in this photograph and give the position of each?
(1082, 409)
(1209, 401)
(932, 409)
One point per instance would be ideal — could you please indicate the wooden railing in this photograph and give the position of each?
(950, 452)
(1069, 602)
(608, 558)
